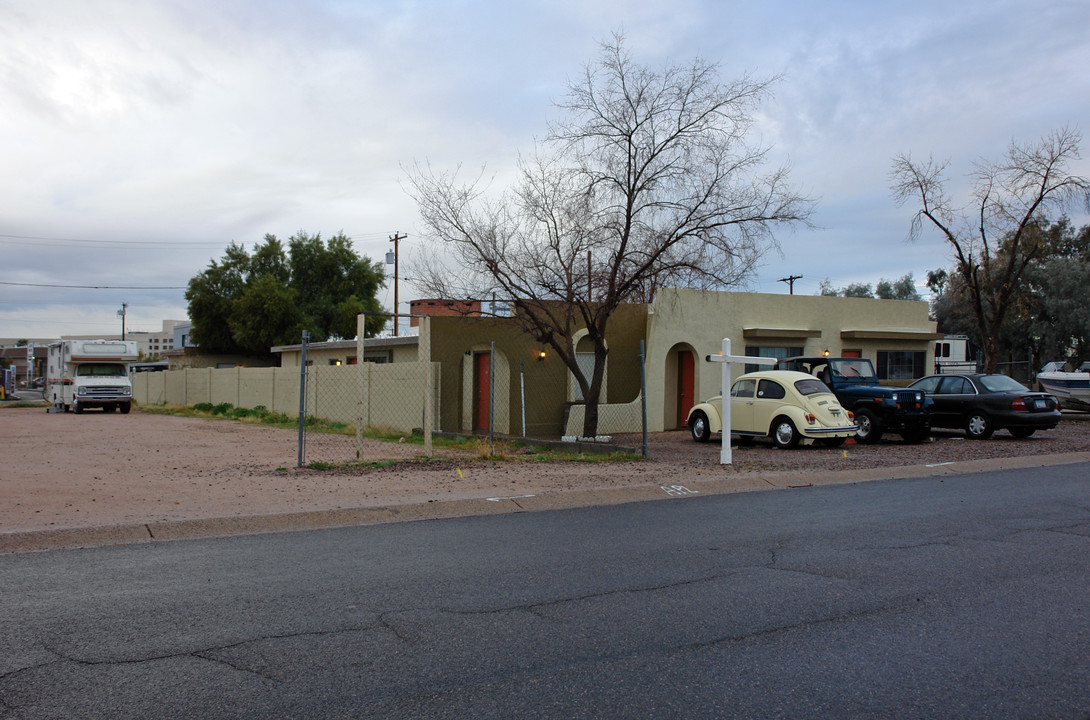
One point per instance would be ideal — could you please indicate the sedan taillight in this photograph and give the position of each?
(1018, 404)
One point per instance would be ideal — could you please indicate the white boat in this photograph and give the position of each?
(1072, 389)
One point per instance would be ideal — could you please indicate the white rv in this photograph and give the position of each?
(90, 373)
(954, 354)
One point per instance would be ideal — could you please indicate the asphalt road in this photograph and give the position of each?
(956, 597)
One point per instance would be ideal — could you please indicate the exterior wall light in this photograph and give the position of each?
(540, 355)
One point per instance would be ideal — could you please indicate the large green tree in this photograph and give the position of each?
(903, 288)
(993, 240)
(1047, 315)
(249, 302)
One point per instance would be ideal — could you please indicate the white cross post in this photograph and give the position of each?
(724, 404)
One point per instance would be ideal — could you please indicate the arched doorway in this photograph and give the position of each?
(679, 386)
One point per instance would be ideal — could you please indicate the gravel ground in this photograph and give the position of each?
(96, 469)
(678, 448)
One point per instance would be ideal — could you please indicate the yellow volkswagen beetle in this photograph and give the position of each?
(788, 406)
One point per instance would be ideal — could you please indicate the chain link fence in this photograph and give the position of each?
(354, 409)
(494, 396)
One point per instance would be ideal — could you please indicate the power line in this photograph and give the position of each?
(99, 287)
(179, 243)
(370, 236)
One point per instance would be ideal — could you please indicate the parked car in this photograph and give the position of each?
(790, 407)
(878, 408)
(37, 382)
(980, 404)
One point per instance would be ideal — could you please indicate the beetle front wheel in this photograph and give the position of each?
(700, 427)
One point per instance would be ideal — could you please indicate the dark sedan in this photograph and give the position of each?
(981, 404)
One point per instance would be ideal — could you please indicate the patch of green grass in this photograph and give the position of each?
(25, 404)
(260, 415)
(507, 450)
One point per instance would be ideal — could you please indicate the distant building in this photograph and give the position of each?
(149, 344)
(451, 308)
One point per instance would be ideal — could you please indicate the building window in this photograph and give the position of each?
(901, 364)
(770, 351)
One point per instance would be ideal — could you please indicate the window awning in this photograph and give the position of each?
(762, 332)
(891, 334)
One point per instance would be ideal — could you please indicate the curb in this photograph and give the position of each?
(155, 532)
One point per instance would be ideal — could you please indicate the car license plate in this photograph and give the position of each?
(1040, 404)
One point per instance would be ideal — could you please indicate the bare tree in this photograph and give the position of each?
(993, 239)
(646, 181)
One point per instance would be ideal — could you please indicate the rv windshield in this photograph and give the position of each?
(101, 370)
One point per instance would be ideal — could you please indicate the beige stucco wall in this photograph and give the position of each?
(393, 394)
(700, 320)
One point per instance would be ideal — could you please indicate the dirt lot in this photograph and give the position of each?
(96, 469)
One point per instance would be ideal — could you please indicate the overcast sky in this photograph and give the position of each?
(141, 137)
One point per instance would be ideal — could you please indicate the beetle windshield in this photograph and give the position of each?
(811, 387)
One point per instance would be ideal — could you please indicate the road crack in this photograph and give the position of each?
(806, 624)
(535, 608)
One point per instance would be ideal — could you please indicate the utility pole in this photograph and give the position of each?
(391, 259)
(121, 314)
(790, 280)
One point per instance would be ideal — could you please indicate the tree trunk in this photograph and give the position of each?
(991, 352)
(592, 399)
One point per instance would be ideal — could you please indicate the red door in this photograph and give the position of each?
(482, 363)
(686, 384)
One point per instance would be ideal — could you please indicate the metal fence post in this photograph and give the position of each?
(361, 390)
(522, 393)
(492, 398)
(303, 397)
(423, 350)
(643, 397)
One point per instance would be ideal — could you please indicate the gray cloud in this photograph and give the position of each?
(185, 125)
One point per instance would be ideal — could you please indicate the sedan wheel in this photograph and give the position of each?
(978, 426)
(699, 427)
(784, 434)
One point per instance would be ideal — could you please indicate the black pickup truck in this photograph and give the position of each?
(878, 409)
